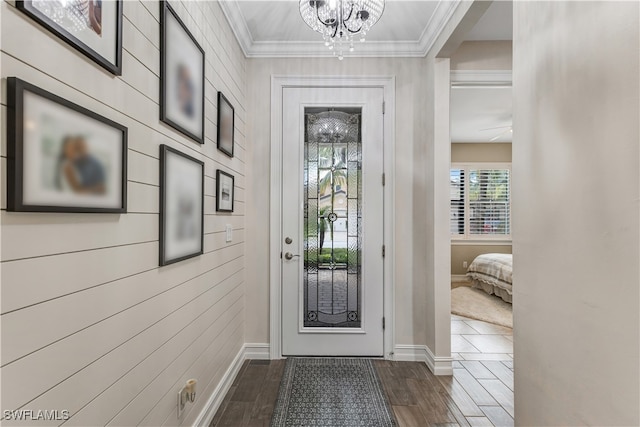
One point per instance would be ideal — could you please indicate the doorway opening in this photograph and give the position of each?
(481, 260)
(479, 191)
(480, 197)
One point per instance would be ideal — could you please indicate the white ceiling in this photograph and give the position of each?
(479, 114)
(476, 108)
(414, 16)
(495, 24)
(406, 28)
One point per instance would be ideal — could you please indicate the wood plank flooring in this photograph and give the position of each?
(252, 397)
(480, 392)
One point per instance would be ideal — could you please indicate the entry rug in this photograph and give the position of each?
(331, 392)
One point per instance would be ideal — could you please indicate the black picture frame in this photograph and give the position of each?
(114, 67)
(166, 212)
(225, 144)
(20, 162)
(171, 118)
(223, 186)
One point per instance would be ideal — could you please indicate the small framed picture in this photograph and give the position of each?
(181, 76)
(181, 206)
(93, 27)
(224, 192)
(226, 118)
(62, 157)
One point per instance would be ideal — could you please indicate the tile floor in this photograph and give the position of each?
(477, 340)
(482, 371)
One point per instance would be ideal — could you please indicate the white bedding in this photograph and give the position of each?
(493, 274)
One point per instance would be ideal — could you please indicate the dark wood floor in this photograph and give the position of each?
(418, 398)
(252, 397)
(480, 392)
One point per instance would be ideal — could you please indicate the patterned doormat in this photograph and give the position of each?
(331, 392)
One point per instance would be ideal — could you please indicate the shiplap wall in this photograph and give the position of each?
(90, 323)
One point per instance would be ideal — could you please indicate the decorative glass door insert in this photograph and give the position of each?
(332, 222)
(332, 217)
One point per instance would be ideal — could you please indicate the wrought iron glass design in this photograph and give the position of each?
(332, 218)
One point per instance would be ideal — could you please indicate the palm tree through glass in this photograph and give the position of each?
(332, 196)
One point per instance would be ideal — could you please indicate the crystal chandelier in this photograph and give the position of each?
(340, 21)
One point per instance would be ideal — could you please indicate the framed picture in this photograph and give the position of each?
(181, 206)
(62, 157)
(181, 76)
(226, 117)
(93, 27)
(224, 192)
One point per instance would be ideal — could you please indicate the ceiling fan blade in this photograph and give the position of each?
(500, 134)
(497, 127)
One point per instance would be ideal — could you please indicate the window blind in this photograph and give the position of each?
(457, 201)
(480, 202)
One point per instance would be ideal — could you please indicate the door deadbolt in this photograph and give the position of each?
(288, 240)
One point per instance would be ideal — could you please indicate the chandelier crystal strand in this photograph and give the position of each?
(340, 21)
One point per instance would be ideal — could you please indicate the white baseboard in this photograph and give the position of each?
(439, 365)
(256, 351)
(422, 353)
(410, 353)
(248, 351)
(215, 400)
(403, 352)
(460, 278)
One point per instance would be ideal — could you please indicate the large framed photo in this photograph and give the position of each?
(181, 206)
(226, 117)
(224, 191)
(181, 76)
(62, 157)
(93, 27)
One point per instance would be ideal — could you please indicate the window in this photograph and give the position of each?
(480, 201)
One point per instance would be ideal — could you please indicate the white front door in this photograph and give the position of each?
(332, 222)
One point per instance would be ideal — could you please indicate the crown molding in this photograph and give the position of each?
(295, 49)
(441, 16)
(319, 50)
(238, 24)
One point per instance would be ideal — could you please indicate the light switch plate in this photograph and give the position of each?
(229, 232)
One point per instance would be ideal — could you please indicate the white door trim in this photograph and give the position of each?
(278, 84)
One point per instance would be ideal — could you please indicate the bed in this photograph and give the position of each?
(493, 274)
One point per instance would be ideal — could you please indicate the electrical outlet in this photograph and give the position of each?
(465, 264)
(229, 232)
(187, 394)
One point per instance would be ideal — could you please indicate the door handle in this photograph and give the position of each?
(289, 255)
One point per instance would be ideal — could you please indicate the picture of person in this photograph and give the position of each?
(95, 16)
(182, 77)
(70, 159)
(185, 95)
(181, 205)
(78, 170)
(90, 11)
(92, 27)
(186, 217)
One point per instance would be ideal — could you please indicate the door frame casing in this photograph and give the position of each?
(278, 84)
